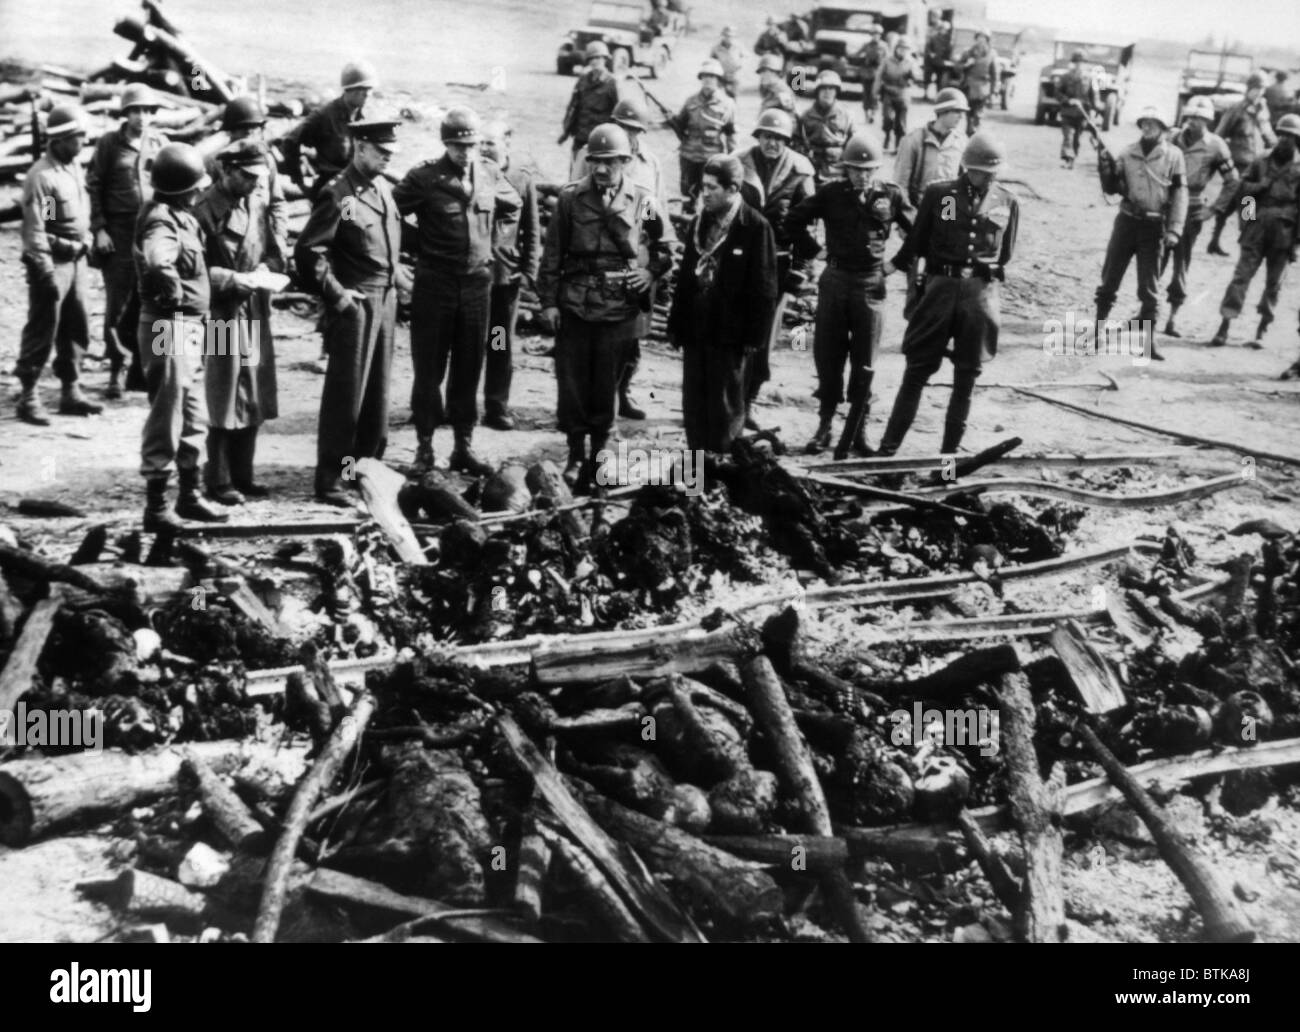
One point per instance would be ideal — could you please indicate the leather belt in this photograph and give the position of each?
(973, 271)
(854, 267)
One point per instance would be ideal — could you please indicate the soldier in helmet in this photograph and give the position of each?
(1077, 92)
(1269, 238)
(117, 180)
(459, 201)
(645, 171)
(1152, 180)
(56, 240)
(932, 153)
(242, 237)
(980, 70)
(893, 86)
(1204, 154)
(731, 55)
(175, 296)
(594, 97)
(604, 247)
(773, 41)
(516, 256)
(870, 58)
(966, 232)
(722, 307)
(825, 128)
(858, 214)
(348, 251)
(706, 125)
(326, 130)
(938, 51)
(1246, 128)
(1279, 97)
(772, 90)
(776, 179)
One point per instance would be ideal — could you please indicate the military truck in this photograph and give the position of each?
(1219, 75)
(1110, 67)
(1005, 43)
(636, 35)
(838, 32)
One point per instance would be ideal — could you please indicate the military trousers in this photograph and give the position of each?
(850, 317)
(1132, 237)
(177, 423)
(56, 321)
(450, 313)
(589, 359)
(1256, 238)
(499, 365)
(1181, 256)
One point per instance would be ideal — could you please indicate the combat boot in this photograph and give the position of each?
(190, 505)
(329, 489)
(243, 447)
(576, 460)
(627, 408)
(821, 439)
(1258, 343)
(30, 407)
(114, 390)
(463, 459)
(423, 455)
(74, 403)
(158, 515)
(1170, 329)
(1221, 336)
(859, 446)
(1214, 246)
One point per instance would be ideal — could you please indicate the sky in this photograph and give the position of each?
(1274, 22)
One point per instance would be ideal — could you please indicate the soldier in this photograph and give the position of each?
(517, 254)
(938, 51)
(242, 236)
(980, 69)
(1151, 177)
(772, 41)
(894, 81)
(1204, 154)
(348, 251)
(825, 128)
(175, 293)
(1077, 92)
(326, 129)
(772, 90)
(1279, 97)
(1273, 181)
(858, 214)
(731, 55)
(706, 125)
(459, 202)
(645, 171)
(604, 246)
(722, 307)
(871, 57)
(1246, 128)
(56, 240)
(966, 231)
(594, 97)
(118, 182)
(932, 153)
(776, 179)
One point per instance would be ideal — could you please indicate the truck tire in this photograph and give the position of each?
(1110, 112)
(1040, 115)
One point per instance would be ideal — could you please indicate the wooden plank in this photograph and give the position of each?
(20, 668)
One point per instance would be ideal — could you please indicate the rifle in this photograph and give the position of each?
(670, 116)
(1107, 167)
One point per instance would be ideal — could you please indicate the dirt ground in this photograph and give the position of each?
(1227, 393)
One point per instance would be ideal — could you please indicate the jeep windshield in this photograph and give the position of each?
(1208, 64)
(1093, 53)
(616, 16)
(839, 19)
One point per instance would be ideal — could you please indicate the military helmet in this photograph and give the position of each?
(461, 125)
(950, 99)
(630, 115)
(777, 122)
(596, 48)
(64, 120)
(609, 141)
(138, 95)
(983, 34)
(1150, 113)
(1255, 81)
(711, 67)
(1288, 124)
(828, 78)
(903, 43)
(1199, 107)
(874, 29)
(771, 63)
(178, 169)
(358, 74)
(1077, 57)
(861, 152)
(241, 113)
(983, 153)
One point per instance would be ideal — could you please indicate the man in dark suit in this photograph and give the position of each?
(723, 305)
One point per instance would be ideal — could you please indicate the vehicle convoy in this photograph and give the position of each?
(1006, 44)
(1111, 69)
(637, 35)
(837, 33)
(1219, 75)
